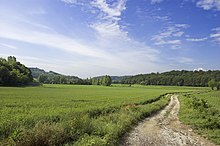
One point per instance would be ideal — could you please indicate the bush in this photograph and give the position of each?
(43, 134)
(91, 141)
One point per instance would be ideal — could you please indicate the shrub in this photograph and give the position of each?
(43, 134)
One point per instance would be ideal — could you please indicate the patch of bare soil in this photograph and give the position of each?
(164, 129)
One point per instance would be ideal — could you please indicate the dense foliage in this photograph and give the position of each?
(175, 78)
(13, 73)
(213, 84)
(104, 80)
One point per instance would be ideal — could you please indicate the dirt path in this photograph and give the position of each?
(164, 129)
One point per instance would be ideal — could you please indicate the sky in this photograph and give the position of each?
(89, 38)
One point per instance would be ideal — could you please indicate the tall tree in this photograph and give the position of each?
(212, 84)
(106, 80)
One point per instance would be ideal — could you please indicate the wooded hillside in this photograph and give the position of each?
(175, 78)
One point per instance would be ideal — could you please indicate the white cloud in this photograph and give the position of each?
(112, 51)
(168, 42)
(209, 4)
(178, 34)
(107, 23)
(156, 1)
(108, 56)
(182, 25)
(198, 69)
(70, 1)
(197, 39)
(112, 11)
(109, 29)
(161, 18)
(216, 35)
(8, 46)
(49, 39)
(169, 35)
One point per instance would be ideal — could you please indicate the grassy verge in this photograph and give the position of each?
(202, 112)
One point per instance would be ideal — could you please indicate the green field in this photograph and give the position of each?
(76, 115)
(202, 112)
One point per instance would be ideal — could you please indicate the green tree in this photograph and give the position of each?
(4, 75)
(212, 84)
(43, 78)
(106, 80)
(218, 85)
(13, 73)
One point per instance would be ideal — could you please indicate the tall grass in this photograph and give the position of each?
(202, 112)
(76, 115)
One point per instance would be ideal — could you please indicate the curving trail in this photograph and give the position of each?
(164, 129)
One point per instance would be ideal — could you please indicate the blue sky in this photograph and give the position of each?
(117, 37)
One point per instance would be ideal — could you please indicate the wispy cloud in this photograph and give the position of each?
(124, 53)
(70, 1)
(216, 35)
(113, 52)
(107, 23)
(161, 18)
(197, 39)
(156, 1)
(112, 11)
(49, 39)
(152, 15)
(7, 46)
(170, 35)
(209, 4)
(109, 29)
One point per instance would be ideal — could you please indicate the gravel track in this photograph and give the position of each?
(164, 129)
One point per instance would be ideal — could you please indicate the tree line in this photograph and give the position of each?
(62, 79)
(175, 78)
(214, 84)
(55, 78)
(104, 80)
(13, 73)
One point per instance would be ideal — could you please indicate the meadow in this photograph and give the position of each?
(77, 115)
(202, 112)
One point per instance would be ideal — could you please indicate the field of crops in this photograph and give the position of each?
(76, 115)
(202, 112)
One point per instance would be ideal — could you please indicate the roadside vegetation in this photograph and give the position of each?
(76, 115)
(202, 112)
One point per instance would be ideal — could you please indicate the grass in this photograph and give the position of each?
(202, 112)
(76, 115)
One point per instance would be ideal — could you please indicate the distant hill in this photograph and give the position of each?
(115, 79)
(52, 77)
(36, 72)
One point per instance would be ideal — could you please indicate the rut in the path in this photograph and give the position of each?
(164, 129)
